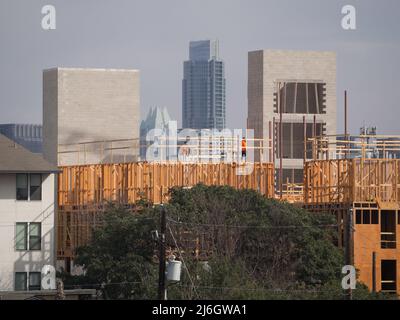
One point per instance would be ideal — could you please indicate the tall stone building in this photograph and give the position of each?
(303, 84)
(203, 87)
(90, 115)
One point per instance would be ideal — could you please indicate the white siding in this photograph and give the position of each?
(12, 211)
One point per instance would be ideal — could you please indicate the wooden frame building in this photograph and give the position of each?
(361, 185)
(83, 191)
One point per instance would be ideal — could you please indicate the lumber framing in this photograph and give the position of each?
(360, 187)
(83, 191)
(352, 180)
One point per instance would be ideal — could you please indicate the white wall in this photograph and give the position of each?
(87, 105)
(12, 211)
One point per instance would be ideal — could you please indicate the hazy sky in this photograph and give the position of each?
(153, 36)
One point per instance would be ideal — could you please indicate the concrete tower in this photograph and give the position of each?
(86, 110)
(303, 83)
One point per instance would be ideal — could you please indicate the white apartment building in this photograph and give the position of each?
(27, 217)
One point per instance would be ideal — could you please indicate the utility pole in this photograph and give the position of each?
(348, 244)
(280, 141)
(346, 136)
(60, 295)
(162, 292)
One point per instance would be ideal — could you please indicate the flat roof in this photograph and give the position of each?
(90, 69)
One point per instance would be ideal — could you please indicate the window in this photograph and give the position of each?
(388, 229)
(25, 231)
(35, 187)
(34, 181)
(358, 217)
(22, 186)
(366, 216)
(20, 281)
(22, 284)
(388, 276)
(301, 97)
(34, 281)
(34, 236)
(374, 217)
(21, 236)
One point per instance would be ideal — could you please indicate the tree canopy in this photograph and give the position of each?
(235, 244)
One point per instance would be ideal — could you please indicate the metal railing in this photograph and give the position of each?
(186, 149)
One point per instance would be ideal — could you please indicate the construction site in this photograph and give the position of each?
(289, 152)
(85, 190)
(356, 178)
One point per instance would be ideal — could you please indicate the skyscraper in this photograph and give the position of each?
(203, 87)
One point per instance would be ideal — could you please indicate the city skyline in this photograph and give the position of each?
(365, 56)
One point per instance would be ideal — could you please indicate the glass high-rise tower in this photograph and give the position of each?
(203, 87)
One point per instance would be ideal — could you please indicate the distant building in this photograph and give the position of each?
(90, 115)
(26, 135)
(382, 147)
(375, 146)
(297, 84)
(157, 118)
(27, 217)
(352, 145)
(203, 87)
(389, 147)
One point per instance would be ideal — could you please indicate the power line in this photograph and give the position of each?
(102, 284)
(263, 289)
(183, 261)
(251, 227)
(278, 290)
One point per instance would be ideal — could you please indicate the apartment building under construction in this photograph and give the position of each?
(358, 181)
(352, 178)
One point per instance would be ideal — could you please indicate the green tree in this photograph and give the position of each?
(257, 247)
(278, 241)
(236, 244)
(120, 256)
